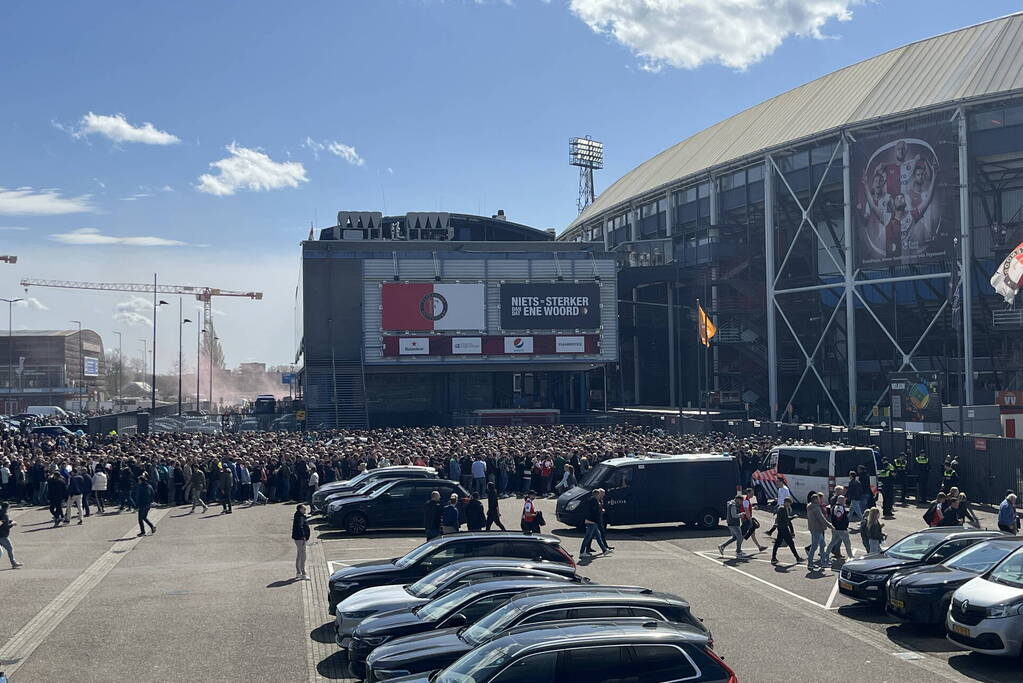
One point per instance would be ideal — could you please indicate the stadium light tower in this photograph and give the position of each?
(587, 154)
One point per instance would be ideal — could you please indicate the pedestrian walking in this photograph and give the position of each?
(1007, 518)
(783, 517)
(144, 496)
(99, 488)
(76, 491)
(475, 520)
(733, 518)
(432, 516)
(966, 511)
(493, 507)
(6, 524)
(300, 535)
(449, 517)
(529, 514)
(314, 483)
(783, 493)
(749, 523)
(595, 526)
(479, 475)
(258, 481)
(853, 496)
(872, 531)
(816, 524)
(56, 492)
(226, 478)
(198, 486)
(840, 533)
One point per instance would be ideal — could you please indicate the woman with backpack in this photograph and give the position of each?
(872, 531)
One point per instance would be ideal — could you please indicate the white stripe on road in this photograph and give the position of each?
(721, 562)
(831, 598)
(38, 629)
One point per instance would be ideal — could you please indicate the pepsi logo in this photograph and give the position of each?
(518, 343)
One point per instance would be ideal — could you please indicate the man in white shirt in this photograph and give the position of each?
(479, 476)
(783, 493)
(314, 481)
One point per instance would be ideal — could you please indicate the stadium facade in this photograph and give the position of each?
(825, 231)
(430, 318)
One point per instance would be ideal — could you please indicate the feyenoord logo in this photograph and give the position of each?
(433, 306)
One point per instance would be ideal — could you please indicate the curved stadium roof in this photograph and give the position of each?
(971, 63)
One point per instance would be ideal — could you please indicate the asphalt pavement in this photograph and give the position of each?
(212, 597)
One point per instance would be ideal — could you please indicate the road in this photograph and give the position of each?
(211, 597)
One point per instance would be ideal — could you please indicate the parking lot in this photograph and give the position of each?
(770, 622)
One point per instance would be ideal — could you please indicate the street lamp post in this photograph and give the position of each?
(120, 364)
(199, 331)
(181, 326)
(81, 364)
(10, 347)
(214, 341)
(145, 358)
(156, 307)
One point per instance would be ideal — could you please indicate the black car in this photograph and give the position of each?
(363, 478)
(454, 610)
(398, 504)
(443, 550)
(439, 648)
(922, 595)
(865, 579)
(593, 652)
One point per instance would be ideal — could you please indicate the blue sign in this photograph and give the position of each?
(287, 379)
(91, 368)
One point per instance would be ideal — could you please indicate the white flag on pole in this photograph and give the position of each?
(1007, 279)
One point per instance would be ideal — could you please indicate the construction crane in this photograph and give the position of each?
(9, 259)
(203, 294)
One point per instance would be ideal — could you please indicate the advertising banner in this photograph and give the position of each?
(905, 189)
(916, 397)
(550, 306)
(570, 345)
(467, 345)
(518, 345)
(91, 368)
(414, 346)
(433, 306)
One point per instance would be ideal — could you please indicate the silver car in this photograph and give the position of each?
(986, 614)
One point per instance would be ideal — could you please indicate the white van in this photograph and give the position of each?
(46, 411)
(813, 468)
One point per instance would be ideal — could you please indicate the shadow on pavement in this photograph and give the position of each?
(872, 614)
(921, 637)
(324, 634)
(282, 583)
(982, 668)
(334, 667)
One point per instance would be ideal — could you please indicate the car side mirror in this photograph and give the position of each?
(457, 620)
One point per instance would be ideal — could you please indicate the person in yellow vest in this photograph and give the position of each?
(922, 469)
(902, 474)
(886, 478)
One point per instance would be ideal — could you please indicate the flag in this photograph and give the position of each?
(706, 326)
(1007, 279)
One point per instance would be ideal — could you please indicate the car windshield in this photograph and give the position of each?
(1009, 572)
(375, 488)
(475, 667)
(358, 478)
(416, 554)
(914, 546)
(979, 558)
(491, 624)
(445, 604)
(426, 586)
(595, 476)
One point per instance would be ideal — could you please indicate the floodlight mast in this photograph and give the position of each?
(587, 154)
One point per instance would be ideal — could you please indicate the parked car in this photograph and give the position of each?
(369, 601)
(439, 648)
(361, 479)
(396, 505)
(922, 594)
(655, 489)
(440, 551)
(453, 610)
(866, 579)
(588, 651)
(52, 430)
(986, 614)
(368, 487)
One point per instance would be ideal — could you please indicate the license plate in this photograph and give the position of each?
(845, 584)
(897, 604)
(961, 630)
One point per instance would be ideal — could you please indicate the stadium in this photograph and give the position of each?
(824, 231)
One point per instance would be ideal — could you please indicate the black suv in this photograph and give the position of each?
(439, 648)
(443, 550)
(360, 480)
(396, 504)
(595, 652)
(865, 579)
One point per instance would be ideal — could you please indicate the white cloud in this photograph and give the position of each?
(689, 33)
(135, 311)
(17, 228)
(33, 303)
(136, 196)
(335, 147)
(24, 201)
(117, 128)
(250, 169)
(92, 236)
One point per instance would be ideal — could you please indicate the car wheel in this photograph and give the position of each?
(708, 519)
(356, 523)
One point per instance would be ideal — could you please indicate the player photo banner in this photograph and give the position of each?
(433, 306)
(916, 397)
(905, 192)
(550, 306)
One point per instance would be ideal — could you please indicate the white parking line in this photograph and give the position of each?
(721, 562)
(834, 593)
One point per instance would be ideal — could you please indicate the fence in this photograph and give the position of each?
(988, 466)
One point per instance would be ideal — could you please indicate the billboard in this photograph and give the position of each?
(91, 366)
(916, 397)
(433, 306)
(905, 188)
(550, 306)
(491, 345)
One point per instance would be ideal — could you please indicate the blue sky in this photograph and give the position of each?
(267, 116)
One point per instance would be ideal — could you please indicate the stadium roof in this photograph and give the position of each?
(970, 63)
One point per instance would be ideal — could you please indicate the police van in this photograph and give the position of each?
(656, 488)
(813, 468)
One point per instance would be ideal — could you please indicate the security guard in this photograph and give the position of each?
(922, 469)
(886, 478)
(902, 474)
(950, 474)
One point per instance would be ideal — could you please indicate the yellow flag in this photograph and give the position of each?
(706, 327)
